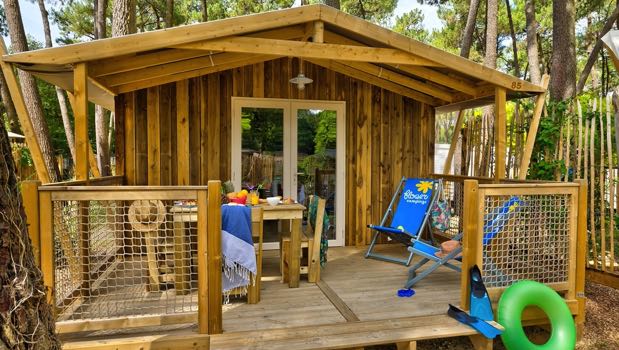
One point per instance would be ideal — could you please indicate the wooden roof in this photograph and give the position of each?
(317, 33)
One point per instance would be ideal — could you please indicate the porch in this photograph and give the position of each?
(117, 287)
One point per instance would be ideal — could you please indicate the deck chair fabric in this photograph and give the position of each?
(415, 197)
(494, 222)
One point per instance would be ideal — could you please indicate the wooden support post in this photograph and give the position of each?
(472, 239)
(30, 196)
(581, 255)
(537, 113)
(213, 242)
(500, 123)
(24, 117)
(318, 35)
(92, 160)
(80, 112)
(454, 142)
(46, 228)
(409, 345)
(480, 342)
(203, 268)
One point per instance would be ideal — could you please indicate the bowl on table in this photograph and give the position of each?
(273, 200)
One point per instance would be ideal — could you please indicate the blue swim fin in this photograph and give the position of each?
(480, 302)
(488, 329)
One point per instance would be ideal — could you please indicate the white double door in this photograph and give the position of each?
(294, 148)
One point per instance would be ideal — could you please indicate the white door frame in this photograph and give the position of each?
(290, 108)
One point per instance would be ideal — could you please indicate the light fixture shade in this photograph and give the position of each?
(301, 80)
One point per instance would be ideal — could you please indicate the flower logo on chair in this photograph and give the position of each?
(424, 186)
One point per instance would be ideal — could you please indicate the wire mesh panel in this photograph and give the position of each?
(527, 237)
(117, 258)
(454, 195)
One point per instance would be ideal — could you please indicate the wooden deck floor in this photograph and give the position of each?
(352, 289)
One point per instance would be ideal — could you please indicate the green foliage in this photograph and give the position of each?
(544, 161)
(411, 25)
(263, 129)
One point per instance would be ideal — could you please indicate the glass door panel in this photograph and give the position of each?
(262, 156)
(317, 159)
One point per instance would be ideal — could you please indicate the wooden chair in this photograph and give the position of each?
(310, 245)
(253, 291)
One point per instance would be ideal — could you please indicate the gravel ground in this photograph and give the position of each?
(601, 326)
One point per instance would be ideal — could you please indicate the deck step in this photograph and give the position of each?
(344, 335)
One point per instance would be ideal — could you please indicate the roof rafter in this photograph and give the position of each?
(464, 66)
(306, 49)
(127, 63)
(422, 72)
(142, 84)
(374, 80)
(402, 80)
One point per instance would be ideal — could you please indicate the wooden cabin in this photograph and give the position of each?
(184, 99)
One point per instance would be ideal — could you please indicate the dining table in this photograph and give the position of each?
(293, 212)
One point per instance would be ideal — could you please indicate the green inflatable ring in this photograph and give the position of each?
(527, 293)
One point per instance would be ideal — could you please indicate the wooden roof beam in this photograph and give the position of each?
(464, 66)
(306, 49)
(119, 46)
(117, 65)
(422, 72)
(170, 78)
(163, 70)
(380, 82)
(402, 80)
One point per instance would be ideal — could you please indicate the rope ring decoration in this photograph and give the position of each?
(146, 215)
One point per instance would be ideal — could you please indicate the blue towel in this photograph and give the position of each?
(237, 248)
(236, 219)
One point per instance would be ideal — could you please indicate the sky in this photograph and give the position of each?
(33, 25)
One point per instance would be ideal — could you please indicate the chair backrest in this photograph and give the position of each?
(315, 219)
(495, 221)
(256, 225)
(414, 205)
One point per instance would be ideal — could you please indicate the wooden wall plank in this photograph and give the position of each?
(154, 137)
(388, 136)
(166, 104)
(182, 132)
(119, 130)
(128, 119)
(213, 131)
(141, 139)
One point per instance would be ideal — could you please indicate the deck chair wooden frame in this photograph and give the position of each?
(310, 241)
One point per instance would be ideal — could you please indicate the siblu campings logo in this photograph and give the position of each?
(415, 198)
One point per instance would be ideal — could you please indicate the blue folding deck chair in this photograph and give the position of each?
(493, 224)
(416, 198)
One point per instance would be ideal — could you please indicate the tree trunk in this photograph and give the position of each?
(123, 17)
(169, 14)
(596, 50)
(101, 120)
(333, 3)
(9, 107)
(29, 89)
(492, 12)
(62, 101)
(563, 66)
(514, 42)
(532, 48)
(467, 39)
(204, 10)
(26, 318)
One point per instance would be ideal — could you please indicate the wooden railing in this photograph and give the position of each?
(526, 231)
(128, 256)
